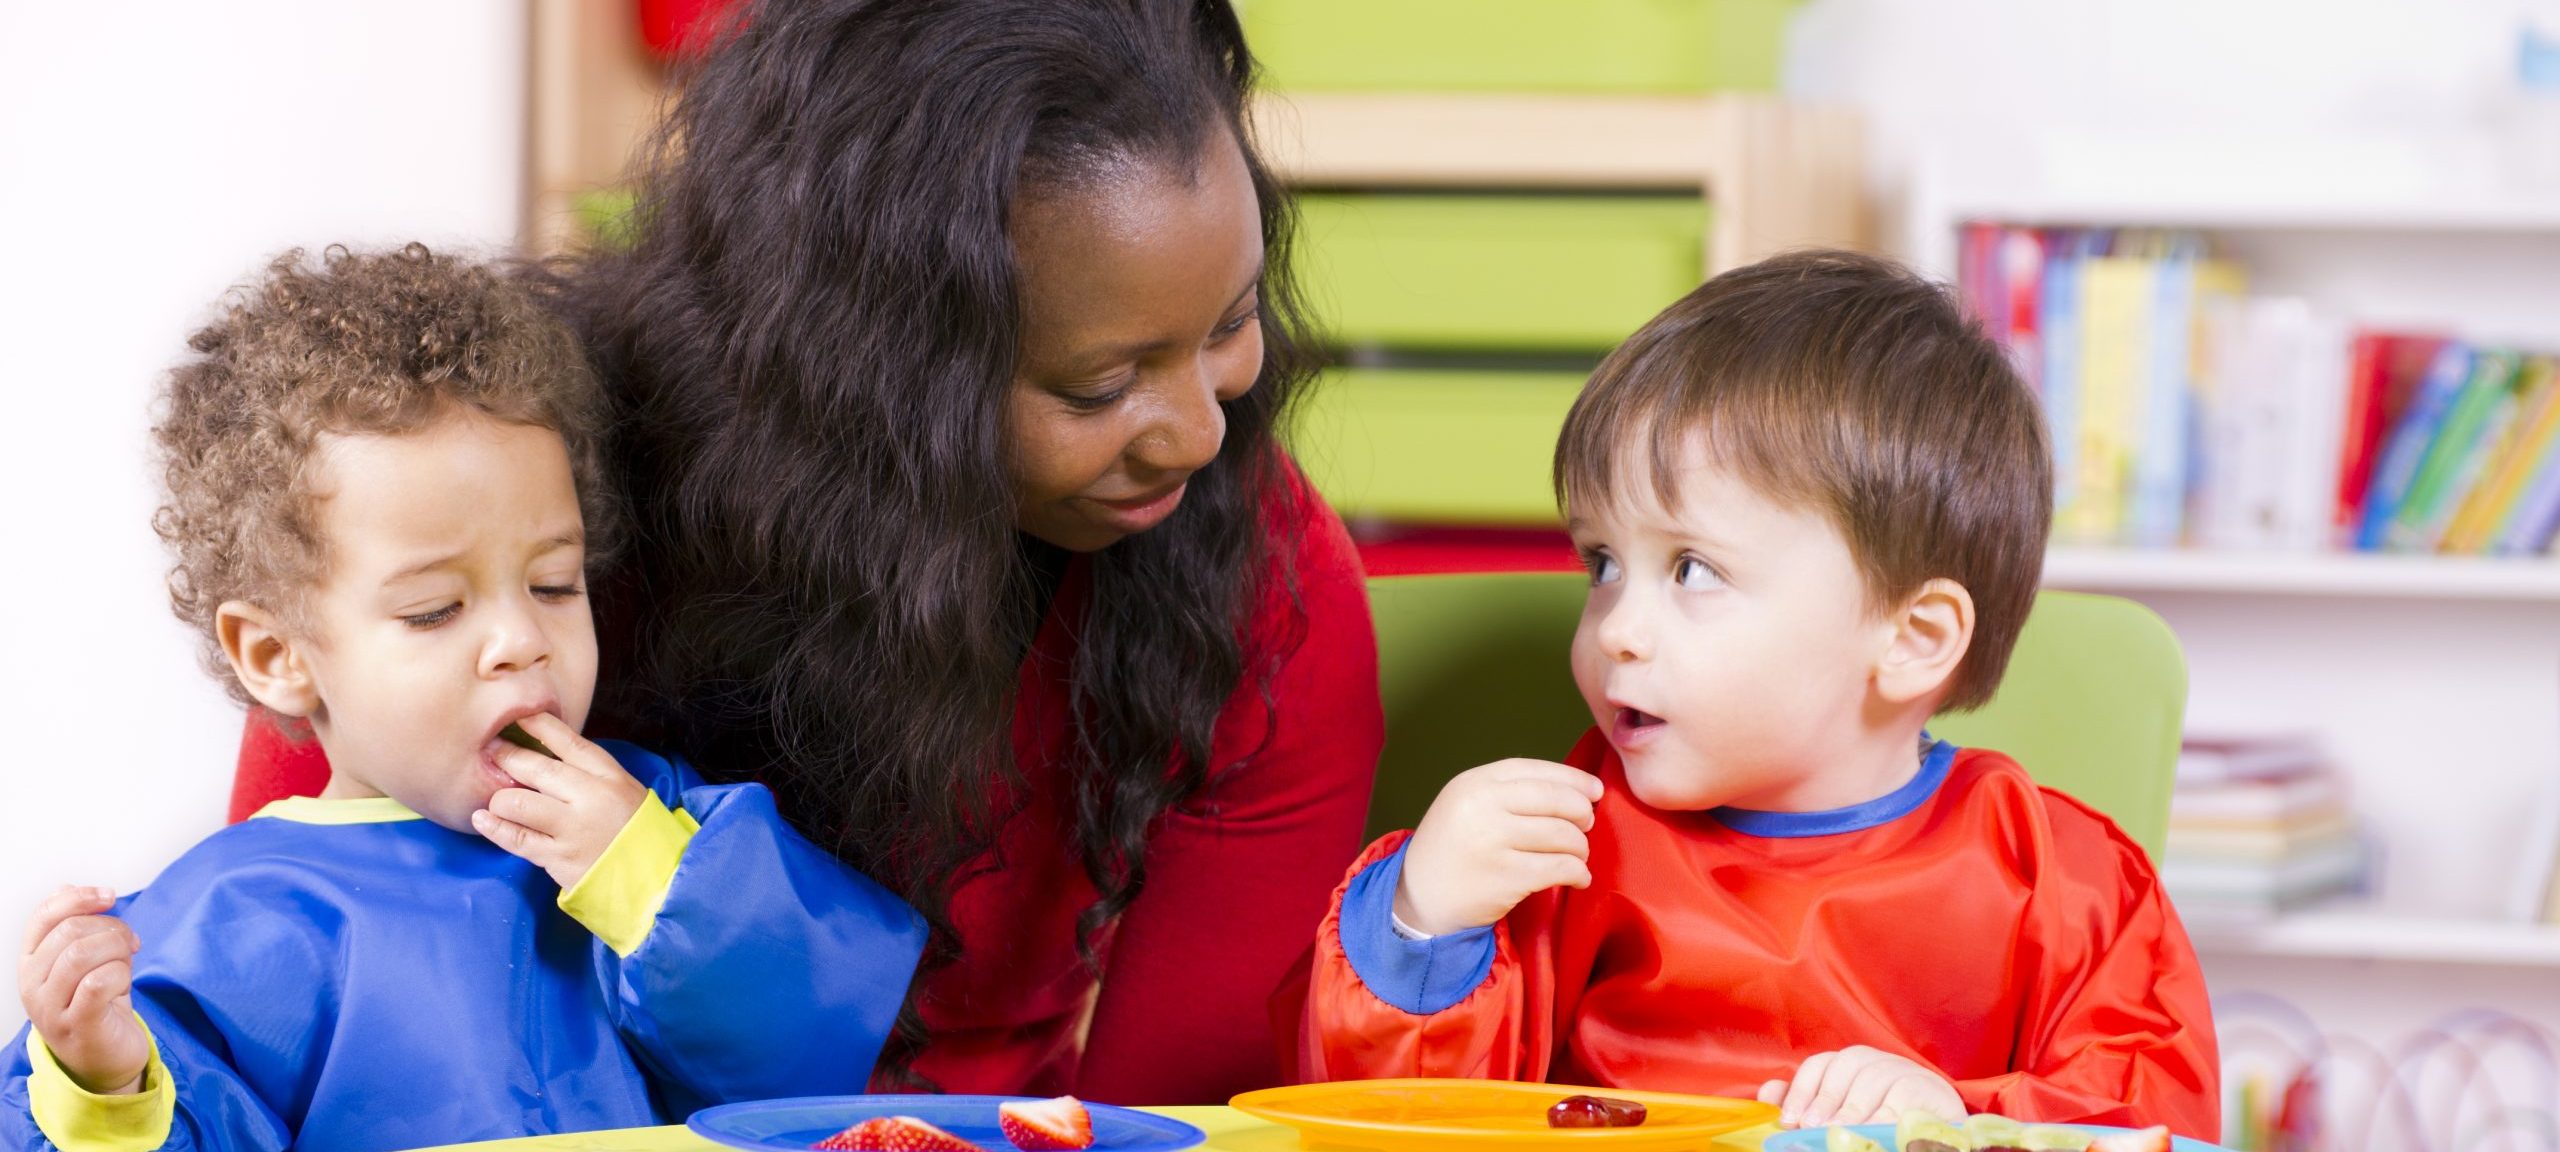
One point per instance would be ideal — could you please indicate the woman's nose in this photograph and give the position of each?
(1186, 435)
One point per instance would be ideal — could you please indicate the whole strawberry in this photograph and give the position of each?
(1046, 1125)
(894, 1134)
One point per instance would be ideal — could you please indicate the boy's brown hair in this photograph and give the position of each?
(1843, 383)
(358, 344)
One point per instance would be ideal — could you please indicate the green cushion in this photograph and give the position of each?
(1626, 46)
(1472, 668)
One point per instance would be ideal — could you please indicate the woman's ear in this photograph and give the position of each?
(1931, 632)
(266, 659)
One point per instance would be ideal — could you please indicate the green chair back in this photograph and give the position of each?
(1472, 668)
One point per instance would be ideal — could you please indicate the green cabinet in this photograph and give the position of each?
(1435, 447)
(1620, 46)
(1496, 272)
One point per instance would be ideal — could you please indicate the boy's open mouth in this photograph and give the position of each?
(1633, 725)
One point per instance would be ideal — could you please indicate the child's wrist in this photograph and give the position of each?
(1412, 915)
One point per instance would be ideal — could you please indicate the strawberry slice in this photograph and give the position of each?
(1046, 1125)
(894, 1134)
(2154, 1139)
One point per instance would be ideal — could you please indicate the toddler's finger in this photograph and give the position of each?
(1866, 1095)
(1544, 870)
(102, 994)
(1838, 1078)
(564, 741)
(533, 769)
(1772, 1091)
(541, 812)
(1548, 770)
(78, 960)
(514, 839)
(66, 902)
(1802, 1090)
(1549, 798)
(67, 937)
(1547, 834)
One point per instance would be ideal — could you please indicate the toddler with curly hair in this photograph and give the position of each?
(385, 495)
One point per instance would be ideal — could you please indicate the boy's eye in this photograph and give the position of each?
(1694, 574)
(1602, 566)
(425, 620)
(557, 592)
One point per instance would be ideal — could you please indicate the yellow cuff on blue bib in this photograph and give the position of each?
(78, 1120)
(619, 898)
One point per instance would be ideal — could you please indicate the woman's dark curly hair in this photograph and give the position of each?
(356, 343)
(813, 334)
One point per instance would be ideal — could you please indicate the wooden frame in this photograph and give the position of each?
(1778, 175)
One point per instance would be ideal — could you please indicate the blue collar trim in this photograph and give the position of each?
(1883, 809)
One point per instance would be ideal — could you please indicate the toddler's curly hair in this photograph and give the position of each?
(358, 343)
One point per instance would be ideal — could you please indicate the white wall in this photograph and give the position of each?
(2006, 84)
(150, 155)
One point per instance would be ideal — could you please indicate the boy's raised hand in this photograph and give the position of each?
(567, 810)
(1496, 835)
(1859, 1085)
(75, 978)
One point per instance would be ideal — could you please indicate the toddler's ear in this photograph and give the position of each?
(265, 659)
(1931, 632)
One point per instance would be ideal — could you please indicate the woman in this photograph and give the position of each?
(954, 340)
(953, 344)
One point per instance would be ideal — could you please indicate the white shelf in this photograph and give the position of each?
(2302, 574)
(2457, 213)
(2367, 935)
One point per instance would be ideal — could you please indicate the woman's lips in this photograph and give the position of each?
(1134, 516)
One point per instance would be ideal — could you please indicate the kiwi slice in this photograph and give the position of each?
(1995, 1133)
(521, 739)
(1841, 1138)
(1922, 1132)
(2053, 1138)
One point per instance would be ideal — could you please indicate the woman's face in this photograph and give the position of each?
(1140, 315)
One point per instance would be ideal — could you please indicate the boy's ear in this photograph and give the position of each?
(266, 659)
(1931, 632)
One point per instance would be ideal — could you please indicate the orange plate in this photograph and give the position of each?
(1419, 1115)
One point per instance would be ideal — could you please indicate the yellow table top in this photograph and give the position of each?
(1228, 1129)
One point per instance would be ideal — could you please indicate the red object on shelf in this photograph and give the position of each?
(1403, 551)
(673, 28)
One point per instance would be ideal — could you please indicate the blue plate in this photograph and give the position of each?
(1810, 1139)
(793, 1125)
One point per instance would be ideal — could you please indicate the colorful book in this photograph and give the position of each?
(2407, 445)
(2058, 305)
(2529, 528)
(2452, 461)
(2526, 441)
(2021, 289)
(2315, 360)
(2384, 371)
(2157, 504)
(2117, 301)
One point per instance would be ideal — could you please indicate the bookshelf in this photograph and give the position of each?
(2138, 570)
(2381, 936)
(2434, 681)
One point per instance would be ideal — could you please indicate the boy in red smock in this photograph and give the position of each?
(1813, 501)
